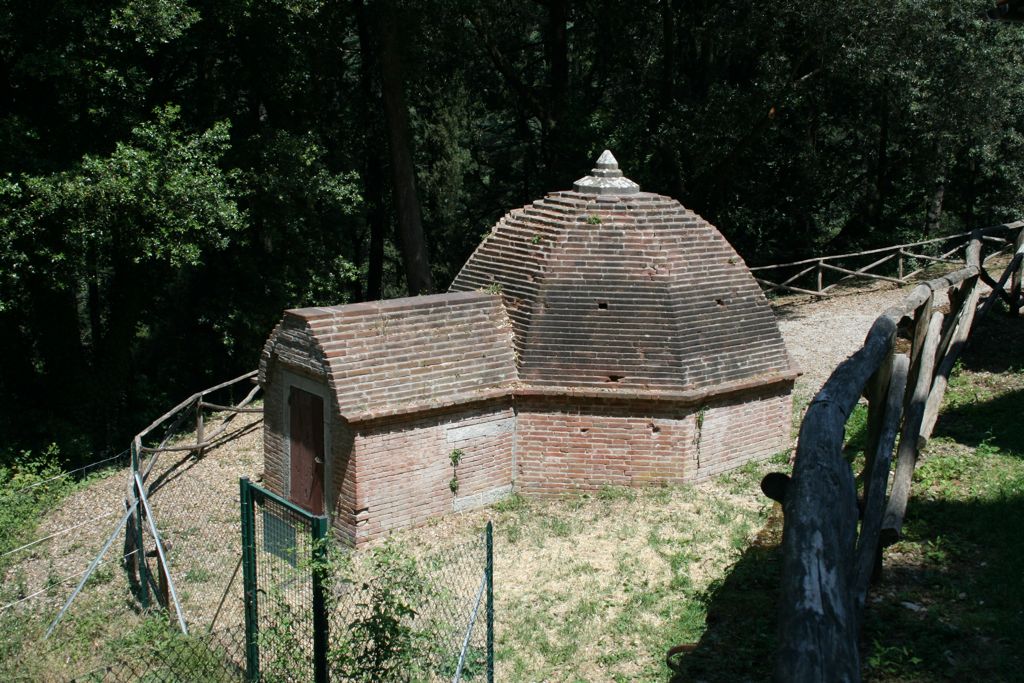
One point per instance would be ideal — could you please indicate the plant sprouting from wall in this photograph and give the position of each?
(455, 457)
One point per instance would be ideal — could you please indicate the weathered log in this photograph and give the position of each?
(230, 409)
(788, 288)
(1015, 283)
(857, 273)
(945, 367)
(906, 457)
(935, 259)
(875, 391)
(200, 426)
(922, 319)
(184, 404)
(943, 255)
(861, 270)
(877, 479)
(817, 628)
(998, 290)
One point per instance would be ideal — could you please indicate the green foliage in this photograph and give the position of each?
(160, 197)
(154, 23)
(27, 490)
(456, 456)
(383, 643)
(172, 170)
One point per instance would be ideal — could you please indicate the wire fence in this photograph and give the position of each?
(210, 657)
(319, 612)
(145, 580)
(119, 584)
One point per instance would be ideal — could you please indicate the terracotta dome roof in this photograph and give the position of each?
(611, 287)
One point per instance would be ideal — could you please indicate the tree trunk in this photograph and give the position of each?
(403, 173)
(556, 49)
(933, 216)
(373, 170)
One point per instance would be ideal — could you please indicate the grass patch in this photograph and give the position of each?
(600, 586)
(950, 603)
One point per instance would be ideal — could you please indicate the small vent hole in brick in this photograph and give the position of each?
(654, 428)
(584, 430)
(615, 378)
(720, 302)
(603, 305)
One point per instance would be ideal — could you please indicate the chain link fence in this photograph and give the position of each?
(319, 612)
(216, 657)
(123, 589)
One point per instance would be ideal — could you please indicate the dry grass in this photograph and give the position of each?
(195, 506)
(598, 587)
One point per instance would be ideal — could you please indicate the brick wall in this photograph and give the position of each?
(739, 429)
(404, 466)
(564, 445)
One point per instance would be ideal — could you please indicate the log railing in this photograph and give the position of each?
(899, 263)
(140, 486)
(827, 560)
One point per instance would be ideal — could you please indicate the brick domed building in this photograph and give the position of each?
(600, 336)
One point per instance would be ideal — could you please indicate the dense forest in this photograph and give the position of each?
(177, 172)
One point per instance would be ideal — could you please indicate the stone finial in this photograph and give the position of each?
(605, 178)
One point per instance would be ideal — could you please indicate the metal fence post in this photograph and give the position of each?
(252, 646)
(140, 549)
(489, 569)
(320, 623)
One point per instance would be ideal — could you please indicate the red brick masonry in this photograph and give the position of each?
(628, 345)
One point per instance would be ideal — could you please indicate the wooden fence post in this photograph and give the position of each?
(199, 426)
(1015, 286)
(818, 625)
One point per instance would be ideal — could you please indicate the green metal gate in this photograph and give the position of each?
(305, 614)
(285, 601)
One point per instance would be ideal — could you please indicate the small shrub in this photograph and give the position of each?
(382, 642)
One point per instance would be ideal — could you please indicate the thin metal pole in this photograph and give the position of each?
(160, 552)
(252, 645)
(469, 630)
(320, 623)
(140, 557)
(489, 572)
(92, 567)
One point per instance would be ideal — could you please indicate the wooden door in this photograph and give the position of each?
(306, 434)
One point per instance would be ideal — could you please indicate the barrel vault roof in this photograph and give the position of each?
(401, 355)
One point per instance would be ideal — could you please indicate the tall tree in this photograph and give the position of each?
(403, 172)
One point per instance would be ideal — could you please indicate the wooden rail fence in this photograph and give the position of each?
(138, 516)
(827, 564)
(901, 263)
(195, 406)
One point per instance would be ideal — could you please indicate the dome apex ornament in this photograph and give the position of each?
(605, 178)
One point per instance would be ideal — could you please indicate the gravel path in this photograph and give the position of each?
(821, 334)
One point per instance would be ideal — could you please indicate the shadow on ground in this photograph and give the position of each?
(739, 642)
(949, 605)
(996, 344)
(996, 347)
